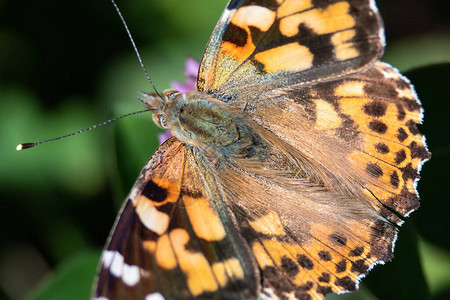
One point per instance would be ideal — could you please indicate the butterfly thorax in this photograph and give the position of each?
(199, 120)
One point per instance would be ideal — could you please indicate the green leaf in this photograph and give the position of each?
(72, 280)
(414, 52)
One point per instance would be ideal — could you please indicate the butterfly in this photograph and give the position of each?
(290, 168)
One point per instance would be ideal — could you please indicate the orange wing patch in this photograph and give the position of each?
(287, 7)
(199, 275)
(331, 19)
(280, 58)
(327, 117)
(343, 47)
(201, 213)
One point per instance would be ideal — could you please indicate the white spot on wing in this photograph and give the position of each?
(114, 262)
(254, 15)
(152, 218)
(130, 275)
(267, 294)
(154, 296)
(107, 258)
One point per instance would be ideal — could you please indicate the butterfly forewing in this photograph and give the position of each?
(285, 42)
(173, 240)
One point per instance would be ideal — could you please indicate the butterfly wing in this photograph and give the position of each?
(366, 122)
(377, 112)
(279, 43)
(174, 239)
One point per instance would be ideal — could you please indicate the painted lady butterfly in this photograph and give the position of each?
(289, 169)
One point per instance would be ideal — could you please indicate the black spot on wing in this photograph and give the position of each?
(409, 172)
(382, 148)
(374, 170)
(411, 105)
(412, 127)
(375, 109)
(306, 287)
(305, 262)
(341, 266)
(377, 126)
(402, 135)
(401, 114)
(400, 156)
(338, 239)
(302, 296)
(359, 266)
(395, 180)
(381, 91)
(325, 277)
(324, 255)
(357, 251)
(324, 290)
(346, 282)
(418, 151)
(289, 266)
(235, 35)
(154, 192)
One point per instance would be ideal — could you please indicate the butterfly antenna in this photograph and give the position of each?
(135, 48)
(31, 145)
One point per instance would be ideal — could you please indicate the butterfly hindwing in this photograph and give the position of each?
(324, 235)
(172, 240)
(371, 117)
(383, 111)
(285, 42)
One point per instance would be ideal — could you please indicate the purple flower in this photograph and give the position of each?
(191, 71)
(162, 137)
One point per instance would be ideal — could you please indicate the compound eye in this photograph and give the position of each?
(159, 121)
(162, 121)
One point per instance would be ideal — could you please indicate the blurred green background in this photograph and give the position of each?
(65, 65)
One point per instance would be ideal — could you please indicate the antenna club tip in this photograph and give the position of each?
(24, 146)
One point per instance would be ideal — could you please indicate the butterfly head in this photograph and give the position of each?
(158, 104)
